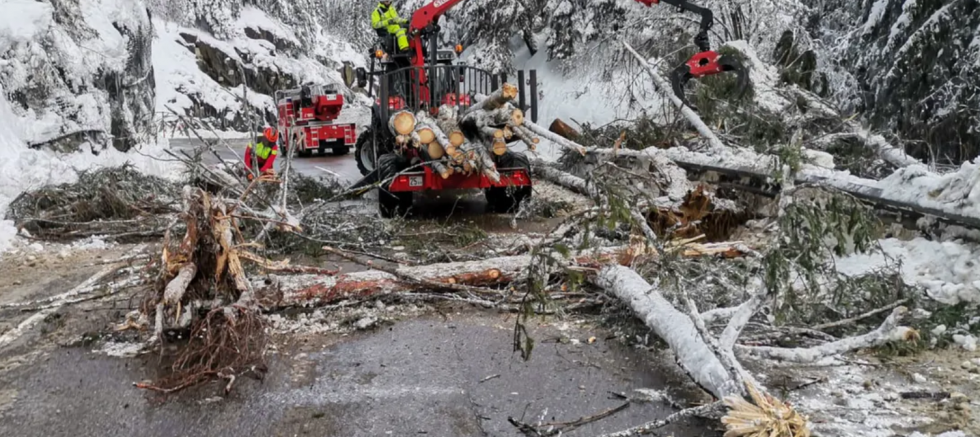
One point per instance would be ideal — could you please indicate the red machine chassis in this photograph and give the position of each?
(429, 180)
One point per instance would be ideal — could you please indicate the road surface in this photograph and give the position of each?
(341, 167)
(452, 375)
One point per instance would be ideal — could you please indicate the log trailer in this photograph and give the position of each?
(440, 125)
(307, 120)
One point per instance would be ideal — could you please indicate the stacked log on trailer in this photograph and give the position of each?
(466, 140)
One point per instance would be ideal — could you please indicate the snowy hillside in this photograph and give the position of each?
(77, 71)
(202, 76)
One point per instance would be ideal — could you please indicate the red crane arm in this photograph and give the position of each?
(429, 14)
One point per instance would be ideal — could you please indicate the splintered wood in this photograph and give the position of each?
(767, 417)
(695, 215)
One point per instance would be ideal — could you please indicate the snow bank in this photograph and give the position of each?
(949, 271)
(23, 168)
(22, 20)
(957, 192)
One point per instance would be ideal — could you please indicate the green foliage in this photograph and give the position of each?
(851, 155)
(790, 154)
(799, 68)
(307, 190)
(813, 229)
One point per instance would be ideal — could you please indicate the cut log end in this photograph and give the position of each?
(499, 148)
(426, 135)
(456, 138)
(403, 122)
(517, 116)
(435, 150)
(508, 91)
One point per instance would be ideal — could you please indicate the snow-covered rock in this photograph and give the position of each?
(203, 76)
(77, 71)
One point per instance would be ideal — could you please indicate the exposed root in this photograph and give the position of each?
(229, 341)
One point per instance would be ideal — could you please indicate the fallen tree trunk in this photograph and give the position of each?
(743, 163)
(666, 90)
(502, 96)
(554, 138)
(321, 289)
(673, 326)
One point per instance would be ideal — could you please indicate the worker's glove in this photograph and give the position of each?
(270, 172)
(400, 20)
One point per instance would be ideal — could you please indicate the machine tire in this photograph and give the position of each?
(509, 199)
(392, 204)
(364, 153)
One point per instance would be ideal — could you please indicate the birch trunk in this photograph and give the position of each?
(747, 163)
(666, 90)
(673, 326)
(554, 138)
(506, 93)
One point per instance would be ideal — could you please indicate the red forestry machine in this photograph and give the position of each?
(424, 81)
(307, 120)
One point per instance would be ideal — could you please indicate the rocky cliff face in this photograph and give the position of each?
(78, 71)
(223, 61)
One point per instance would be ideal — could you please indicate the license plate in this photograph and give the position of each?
(415, 181)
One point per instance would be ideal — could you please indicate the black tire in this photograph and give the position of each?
(509, 199)
(364, 152)
(392, 204)
(340, 150)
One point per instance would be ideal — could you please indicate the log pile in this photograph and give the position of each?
(456, 140)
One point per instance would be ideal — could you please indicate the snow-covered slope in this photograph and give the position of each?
(77, 70)
(911, 66)
(201, 75)
(24, 168)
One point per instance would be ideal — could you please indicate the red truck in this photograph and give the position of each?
(307, 120)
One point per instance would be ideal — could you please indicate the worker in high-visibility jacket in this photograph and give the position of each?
(385, 17)
(266, 149)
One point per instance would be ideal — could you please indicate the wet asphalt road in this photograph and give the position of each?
(435, 376)
(341, 167)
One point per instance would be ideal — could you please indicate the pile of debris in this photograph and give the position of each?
(118, 203)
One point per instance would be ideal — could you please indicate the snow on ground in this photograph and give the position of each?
(949, 271)
(22, 20)
(24, 168)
